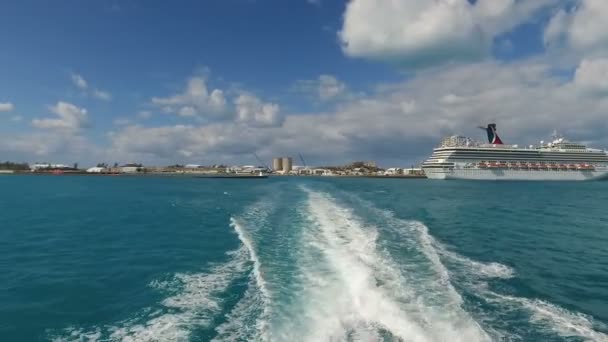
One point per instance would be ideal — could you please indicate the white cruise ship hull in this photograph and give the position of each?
(524, 175)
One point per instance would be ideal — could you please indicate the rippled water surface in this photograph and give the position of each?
(301, 259)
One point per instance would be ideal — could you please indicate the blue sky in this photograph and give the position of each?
(336, 80)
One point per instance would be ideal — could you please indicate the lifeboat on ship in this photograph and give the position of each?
(514, 165)
(502, 164)
(572, 167)
(493, 165)
(482, 165)
(533, 166)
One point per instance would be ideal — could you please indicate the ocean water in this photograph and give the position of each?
(301, 259)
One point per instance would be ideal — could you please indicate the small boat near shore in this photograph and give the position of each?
(260, 175)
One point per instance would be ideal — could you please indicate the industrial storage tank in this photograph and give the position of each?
(277, 164)
(287, 164)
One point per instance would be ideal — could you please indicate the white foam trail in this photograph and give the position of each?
(195, 302)
(559, 320)
(433, 249)
(253, 255)
(365, 292)
(255, 304)
(78, 334)
(249, 319)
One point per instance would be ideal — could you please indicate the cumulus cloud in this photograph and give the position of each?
(144, 114)
(592, 76)
(583, 28)
(400, 122)
(195, 100)
(253, 111)
(79, 81)
(6, 106)
(102, 95)
(215, 142)
(121, 121)
(325, 88)
(70, 118)
(421, 33)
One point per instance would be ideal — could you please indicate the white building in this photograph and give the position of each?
(131, 168)
(393, 171)
(42, 166)
(96, 170)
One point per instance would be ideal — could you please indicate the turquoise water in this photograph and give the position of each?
(287, 259)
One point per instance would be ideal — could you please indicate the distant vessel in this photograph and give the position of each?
(463, 158)
(235, 175)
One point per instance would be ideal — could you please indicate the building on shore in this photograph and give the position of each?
(413, 172)
(48, 166)
(96, 169)
(282, 165)
(277, 164)
(370, 164)
(287, 164)
(131, 168)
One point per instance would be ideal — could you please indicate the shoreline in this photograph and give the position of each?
(199, 175)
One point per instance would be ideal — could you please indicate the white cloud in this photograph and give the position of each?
(253, 111)
(17, 118)
(420, 33)
(325, 88)
(79, 81)
(215, 142)
(6, 106)
(144, 114)
(592, 76)
(582, 29)
(83, 85)
(121, 121)
(400, 122)
(102, 95)
(70, 118)
(196, 100)
(51, 147)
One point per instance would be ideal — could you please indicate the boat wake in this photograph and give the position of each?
(340, 270)
(546, 318)
(356, 291)
(196, 300)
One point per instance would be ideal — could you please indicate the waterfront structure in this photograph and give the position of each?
(393, 171)
(287, 164)
(277, 164)
(96, 169)
(131, 168)
(463, 158)
(48, 166)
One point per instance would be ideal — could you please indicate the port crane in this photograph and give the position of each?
(302, 159)
(261, 162)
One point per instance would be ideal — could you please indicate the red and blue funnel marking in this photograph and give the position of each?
(492, 136)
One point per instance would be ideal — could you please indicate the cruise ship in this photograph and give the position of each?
(463, 158)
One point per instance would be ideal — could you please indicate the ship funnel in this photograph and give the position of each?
(492, 136)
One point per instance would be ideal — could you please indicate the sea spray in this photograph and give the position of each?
(546, 317)
(367, 293)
